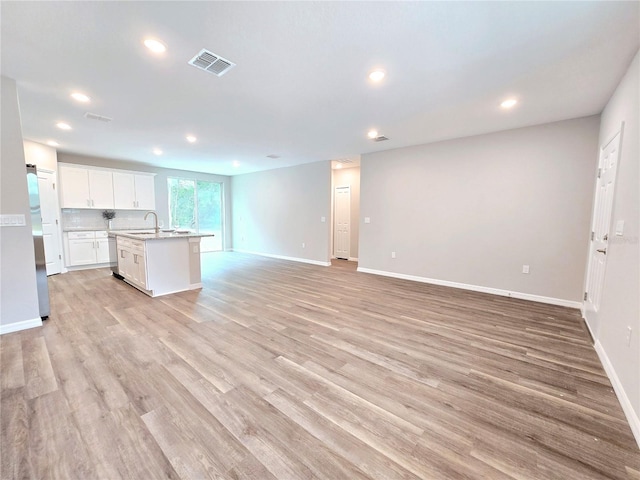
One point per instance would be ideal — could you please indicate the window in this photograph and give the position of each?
(197, 205)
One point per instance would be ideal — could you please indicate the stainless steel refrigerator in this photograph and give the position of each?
(38, 241)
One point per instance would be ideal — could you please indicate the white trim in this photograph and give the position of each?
(23, 325)
(88, 266)
(583, 312)
(632, 415)
(282, 257)
(476, 288)
(353, 259)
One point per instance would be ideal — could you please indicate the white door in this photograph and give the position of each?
(342, 221)
(600, 229)
(50, 222)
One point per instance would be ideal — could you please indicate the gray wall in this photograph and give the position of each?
(18, 289)
(162, 192)
(275, 211)
(475, 210)
(351, 177)
(619, 306)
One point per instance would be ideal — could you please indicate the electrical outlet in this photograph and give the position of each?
(323, 219)
(393, 254)
(367, 219)
(525, 268)
(629, 331)
(303, 245)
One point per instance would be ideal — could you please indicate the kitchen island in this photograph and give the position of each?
(159, 263)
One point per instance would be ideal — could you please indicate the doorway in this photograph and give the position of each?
(345, 209)
(600, 226)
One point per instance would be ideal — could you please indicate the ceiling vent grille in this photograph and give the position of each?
(212, 63)
(273, 155)
(380, 138)
(345, 160)
(95, 116)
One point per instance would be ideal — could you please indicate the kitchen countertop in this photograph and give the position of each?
(147, 235)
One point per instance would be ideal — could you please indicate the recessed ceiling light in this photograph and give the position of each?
(80, 97)
(63, 126)
(372, 134)
(53, 143)
(376, 75)
(157, 151)
(236, 163)
(155, 46)
(509, 103)
(191, 139)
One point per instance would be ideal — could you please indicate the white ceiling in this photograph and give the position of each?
(300, 88)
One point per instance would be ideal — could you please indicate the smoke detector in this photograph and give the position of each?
(211, 62)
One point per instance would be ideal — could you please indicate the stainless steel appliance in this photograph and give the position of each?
(38, 241)
(113, 256)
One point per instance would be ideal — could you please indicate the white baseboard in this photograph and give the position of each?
(23, 325)
(631, 414)
(476, 288)
(282, 257)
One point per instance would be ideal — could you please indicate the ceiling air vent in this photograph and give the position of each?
(95, 116)
(381, 138)
(212, 63)
(273, 155)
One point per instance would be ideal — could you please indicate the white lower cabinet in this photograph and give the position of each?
(132, 263)
(86, 248)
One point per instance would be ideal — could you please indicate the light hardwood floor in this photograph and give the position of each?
(291, 371)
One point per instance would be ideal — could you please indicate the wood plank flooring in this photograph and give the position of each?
(280, 370)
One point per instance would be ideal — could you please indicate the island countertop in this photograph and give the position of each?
(137, 235)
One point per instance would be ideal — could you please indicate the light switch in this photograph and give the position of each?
(619, 227)
(367, 219)
(14, 220)
(323, 219)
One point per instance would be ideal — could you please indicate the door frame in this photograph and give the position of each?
(590, 314)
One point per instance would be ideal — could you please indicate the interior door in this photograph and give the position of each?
(50, 222)
(601, 224)
(342, 220)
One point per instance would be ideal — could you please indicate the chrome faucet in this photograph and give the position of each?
(156, 217)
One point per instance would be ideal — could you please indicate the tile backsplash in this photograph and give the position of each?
(84, 219)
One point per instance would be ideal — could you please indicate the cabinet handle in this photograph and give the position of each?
(121, 253)
(135, 258)
(88, 202)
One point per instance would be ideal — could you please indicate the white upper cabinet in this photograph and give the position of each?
(81, 187)
(134, 191)
(103, 188)
(145, 192)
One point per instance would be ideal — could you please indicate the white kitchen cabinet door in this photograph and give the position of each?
(82, 252)
(74, 187)
(102, 250)
(101, 189)
(145, 192)
(124, 193)
(140, 270)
